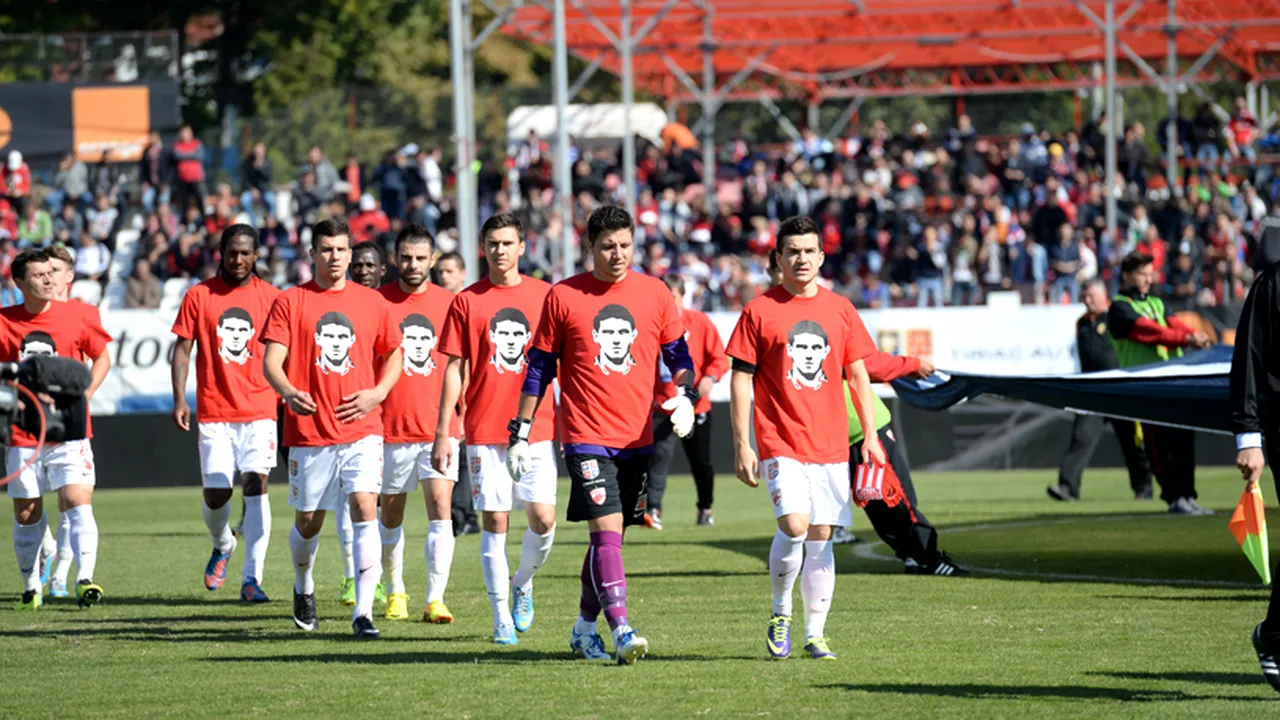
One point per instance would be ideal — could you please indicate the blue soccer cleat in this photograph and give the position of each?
(504, 634)
(778, 637)
(252, 592)
(522, 608)
(818, 650)
(58, 589)
(588, 644)
(630, 647)
(215, 571)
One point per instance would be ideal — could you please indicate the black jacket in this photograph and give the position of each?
(1093, 344)
(1255, 363)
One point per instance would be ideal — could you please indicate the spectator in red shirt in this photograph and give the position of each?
(15, 181)
(369, 222)
(188, 159)
(1241, 131)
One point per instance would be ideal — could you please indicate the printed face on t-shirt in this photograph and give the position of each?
(509, 333)
(335, 335)
(235, 329)
(614, 329)
(37, 343)
(419, 340)
(807, 347)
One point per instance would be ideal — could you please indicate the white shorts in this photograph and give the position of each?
(226, 447)
(822, 492)
(59, 464)
(403, 465)
(319, 477)
(491, 485)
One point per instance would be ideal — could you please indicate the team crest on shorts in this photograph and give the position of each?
(777, 497)
(642, 503)
(293, 489)
(598, 495)
(475, 492)
(475, 465)
(591, 471)
(773, 471)
(293, 470)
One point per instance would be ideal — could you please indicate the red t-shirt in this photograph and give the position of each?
(70, 330)
(411, 411)
(230, 385)
(707, 352)
(490, 327)
(609, 337)
(800, 347)
(333, 337)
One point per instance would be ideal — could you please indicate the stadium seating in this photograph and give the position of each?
(172, 292)
(121, 266)
(89, 291)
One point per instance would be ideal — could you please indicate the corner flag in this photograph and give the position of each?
(1249, 525)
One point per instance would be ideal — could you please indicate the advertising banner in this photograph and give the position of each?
(48, 120)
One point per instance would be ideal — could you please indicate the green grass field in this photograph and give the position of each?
(1104, 608)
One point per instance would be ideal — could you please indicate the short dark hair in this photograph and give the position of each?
(25, 258)
(607, 219)
(508, 315)
(333, 227)
(807, 327)
(795, 226)
(674, 281)
(236, 313)
(334, 318)
(414, 233)
(238, 230)
(501, 221)
(1135, 261)
(452, 255)
(37, 336)
(613, 311)
(370, 246)
(417, 320)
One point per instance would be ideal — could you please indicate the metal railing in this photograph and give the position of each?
(89, 57)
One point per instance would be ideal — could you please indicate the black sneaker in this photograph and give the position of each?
(1061, 492)
(466, 528)
(304, 611)
(363, 629)
(1268, 656)
(943, 566)
(706, 518)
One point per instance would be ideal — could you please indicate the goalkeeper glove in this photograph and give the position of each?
(518, 448)
(681, 409)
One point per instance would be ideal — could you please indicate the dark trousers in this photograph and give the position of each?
(910, 538)
(1272, 627)
(461, 509)
(1172, 453)
(697, 448)
(1086, 432)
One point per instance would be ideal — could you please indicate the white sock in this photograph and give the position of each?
(304, 559)
(817, 585)
(26, 547)
(84, 540)
(493, 561)
(439, 551)
(65, 554)
(218, 520)
(48, 545)
(534, 549)
(392, 557)
(583, 627)
(367, 546)
(786, 554)
(345, 538)
(257, 534)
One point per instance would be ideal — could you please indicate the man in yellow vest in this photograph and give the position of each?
(1144, 333)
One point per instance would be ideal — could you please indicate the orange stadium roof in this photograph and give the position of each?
(849, 48)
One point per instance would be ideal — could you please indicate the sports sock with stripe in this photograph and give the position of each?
(84, 540)
(817, 585)
(392, 557)
(534, 549)
(367, 547)
(589, 603)
(26, 548)
(609, 577)
(493, 561)
(785, 557)
(303, 551)
(257, 535)
(218, 520)
(439, 552)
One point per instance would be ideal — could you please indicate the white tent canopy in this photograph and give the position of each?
(599, 121)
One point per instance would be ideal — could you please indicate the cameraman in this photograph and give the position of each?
(43, 326)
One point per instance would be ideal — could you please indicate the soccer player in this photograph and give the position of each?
(795, 346)
(452, 272)
(418, 308)
(451, 275)
(489, 327)
(710, 364)
(368, 264)
(236, 407)
(604, 331)
(324, 341)
(42, 325)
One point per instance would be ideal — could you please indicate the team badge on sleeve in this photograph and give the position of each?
(590, 469)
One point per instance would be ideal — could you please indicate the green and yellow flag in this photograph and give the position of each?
(1249, 525)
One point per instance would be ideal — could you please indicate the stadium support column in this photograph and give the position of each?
(1171, 100)
(459, 48)
(468, 242)
(564, 183)
(709, 107)
(1109, 29)
(626, 43)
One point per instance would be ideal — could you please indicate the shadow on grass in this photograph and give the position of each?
(459, 657)
(1260, 594)
(1029, 692)
(178, 632)
(1209, 678)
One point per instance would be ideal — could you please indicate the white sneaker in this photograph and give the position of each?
(587, 643)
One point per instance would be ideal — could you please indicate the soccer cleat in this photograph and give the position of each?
(588, 645)
(398, 606)
(215, 571)
(437, 614)
(304, 611)
(252, 592)
(1197, 508)
(1061, 493)
(653, 519)
(1268, 656)
(778, 637)
(522, 608)
(818, 650)
(380, 593)
(504, 634)
(88, 594)
(31, 600)
(58, 589)
(630, 647)
(705, 517)
(842, 536)
(943, 566)
(362, 627)
(348, 595)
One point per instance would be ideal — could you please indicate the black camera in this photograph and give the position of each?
(60, 380)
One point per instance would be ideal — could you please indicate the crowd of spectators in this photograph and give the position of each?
(907, 218)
